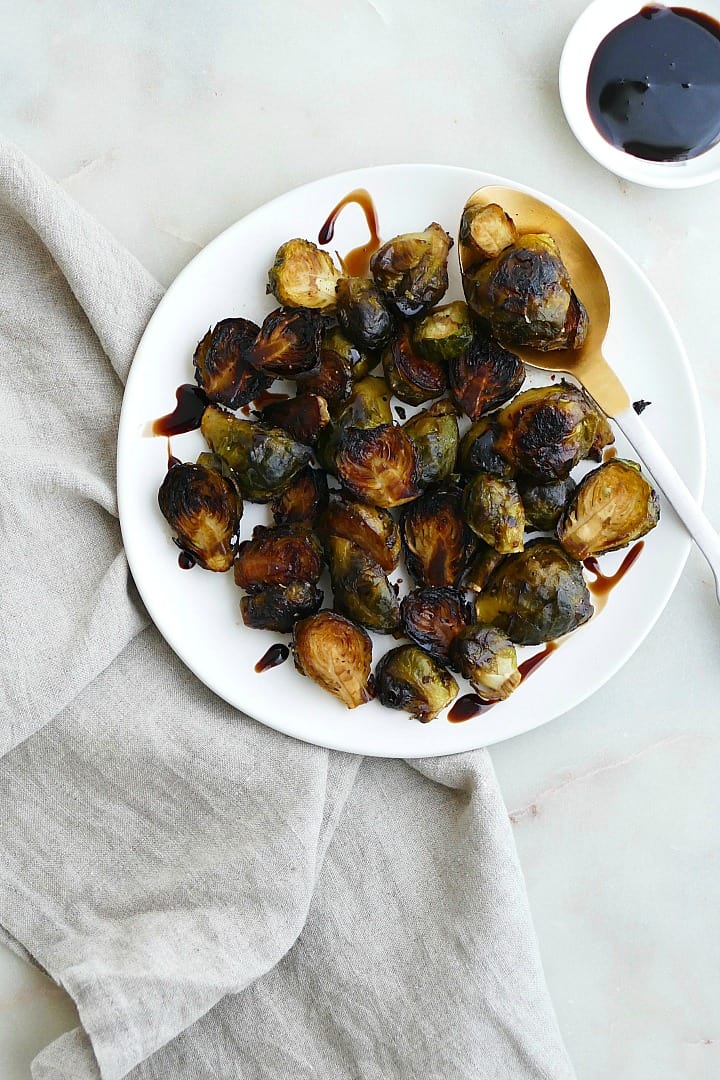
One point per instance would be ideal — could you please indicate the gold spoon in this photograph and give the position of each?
(588, 364)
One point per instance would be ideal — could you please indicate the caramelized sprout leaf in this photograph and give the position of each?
(370, 527)
(204, 509)
(303, 417)
(433, 617)
(278, 556)
(484, 376)
(222, 367)
(436, 541)
(305, 498)
(378, 465)
(335, 654)
(412, 378)
(612, 506)
(288, 344)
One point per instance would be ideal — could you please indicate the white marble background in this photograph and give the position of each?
(169, 121)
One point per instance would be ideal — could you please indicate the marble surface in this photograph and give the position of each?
(169, 122)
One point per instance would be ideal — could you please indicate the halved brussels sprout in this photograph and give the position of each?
(302, 276)
(362, 591)
(341, 363)
(303, 417)
(535, 596)
(411, 378)
(335, 654)
(288, 344)
(263, 460)
(378, 466)
(487, 659)
(434, 433)
(443, 333)
(478, 451)
(204, 509)
(544, 503)
(368, 405)
(278, 607)
(411, 270)
(494, 511)
(222, 367)
(304, 499)
(437, 542)
(277, 556)
(612, 506)
(363, 313)
(484, 376)
(482, 567)
(485, 231)
(433, 617)
(408, 678)
(371, 528)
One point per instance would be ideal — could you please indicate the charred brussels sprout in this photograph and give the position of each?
(341, 363)
(485, 231)
(368, 405)
(612, 506)
(362, 591)
(411, 378)
(204, 509)
(478, 451)
(277, 556)
(433, 618)
(411, 270)
(434, 433)
(363, 313)
(544, 503)
(303, 417)
(302, 276)
(263, 460)
(288, 344)
(371, 528)
(493, 509)
(484, 377)
(304, 499)
(279, 607)
(408, 678)
(222, 367)
(437, 542)
(482, 567)
(487, 659)
(335, 654)
(443, 333)
(378, 465)
(535, 596)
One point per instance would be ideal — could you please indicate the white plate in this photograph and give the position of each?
(198, 612)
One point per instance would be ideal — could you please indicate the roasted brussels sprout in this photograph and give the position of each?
(204, 509)
(434, 433)
(485, 231)
(443, 333)
(411, 378)
(336, 654)
(368, 405)
(544, 503)
(612, 506)
(302, 276)
(437, 542)
(363, 313)
(263, 460)
(411, 270)
(278, 607)
(370, 527)
(494, 511)
(288, 344)
(484, 376)
(478, 453)
(277, 556)
(362, 591)
(304, 499)
(222, 367)
(546, 431)
(303, 417)
(433, 617)
(378, 465)
(408, 678)
(485, 562)
(487, 659)
(526, 296)
(535, 596)
(341, 363)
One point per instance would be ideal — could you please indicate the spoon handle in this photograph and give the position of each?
(668, 480)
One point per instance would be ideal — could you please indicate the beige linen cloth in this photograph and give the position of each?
(220, 900)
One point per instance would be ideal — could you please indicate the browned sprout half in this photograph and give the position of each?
(363, 313)
(303, 417)
(487, 659)
(433, 617)
(303, 276)
(544, 503)
(611, 507)
(485, 231)
(277, 556)
(303, 500)
(341, 364)
(411, 270)
(335, 654)
(410, 679)
(367, 407)
(484, 376)
(494, 511)
(360, 587)
(288, 344)
(434, 433)
(378, 465)
(278, 607)
(481, 568)
(410, 377)
(443, 333)
(437, 543)
(370, 527)
(222, 367)
(204, 510)
(478, 451)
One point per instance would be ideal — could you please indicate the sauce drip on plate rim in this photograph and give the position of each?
(357, 262)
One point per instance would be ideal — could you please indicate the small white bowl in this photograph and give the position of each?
(591, 28)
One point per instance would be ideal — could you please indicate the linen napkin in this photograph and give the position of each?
(220, 900)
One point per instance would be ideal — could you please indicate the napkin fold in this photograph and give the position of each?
(220, 900)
